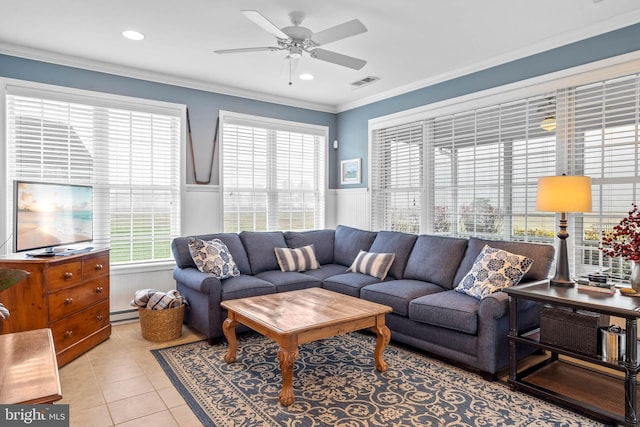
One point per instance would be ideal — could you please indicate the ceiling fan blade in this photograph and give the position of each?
(264, 23)
(248, 49)
(339, 32)
(338, 58)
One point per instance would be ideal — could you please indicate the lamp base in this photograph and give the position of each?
(562, 283)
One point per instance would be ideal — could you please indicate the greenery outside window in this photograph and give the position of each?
(128, 150)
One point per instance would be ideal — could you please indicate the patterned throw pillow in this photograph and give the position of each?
(213, 257)
(372, 264)
(298, 259)
(493, 270)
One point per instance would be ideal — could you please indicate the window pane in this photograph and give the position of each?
(273, 178)
(129, 156)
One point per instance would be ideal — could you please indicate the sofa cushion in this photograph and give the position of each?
(349, 242)
(349, 283)
(322, 241)
(213, 257)
(447, 309)
(372, 264)
(435, 259)
(289, 280)
(541, 254)
(298, 259)
(327, 270)
(493, 270)
(245, 286)
(259, 247)
(398, 293)
(182, 255)
(396, 243)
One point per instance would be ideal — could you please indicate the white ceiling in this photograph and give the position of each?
(409, 43)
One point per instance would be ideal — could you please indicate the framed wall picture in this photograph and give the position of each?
(351, 171)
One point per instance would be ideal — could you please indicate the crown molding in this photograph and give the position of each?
(545, 45)
(153, 76)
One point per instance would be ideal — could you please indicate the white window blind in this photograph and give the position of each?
(273, 174)
(485, 167)
(604, 146)
(482, 166)
(397, 184)
(129, 153)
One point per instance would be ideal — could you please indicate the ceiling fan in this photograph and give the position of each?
(297, 39)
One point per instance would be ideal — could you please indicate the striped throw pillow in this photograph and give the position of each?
(298, 259)
(372, 264)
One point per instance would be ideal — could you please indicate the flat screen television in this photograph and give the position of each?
(48, 215)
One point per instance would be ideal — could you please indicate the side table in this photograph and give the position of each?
(610, 393)
(29, 370)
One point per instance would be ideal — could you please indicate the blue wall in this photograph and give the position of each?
(353, 124)
(203, 106)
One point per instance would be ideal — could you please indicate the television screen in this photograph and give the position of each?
(48, 215)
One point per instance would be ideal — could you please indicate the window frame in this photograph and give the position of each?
(103, 101)
(271, 189)
(591, 73)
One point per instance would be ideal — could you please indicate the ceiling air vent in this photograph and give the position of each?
(364, 82)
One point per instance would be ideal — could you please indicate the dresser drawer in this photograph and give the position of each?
(64, 275)
(71, 329)
(69, 300)
(95, 267)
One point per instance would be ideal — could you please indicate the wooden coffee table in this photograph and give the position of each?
(298, 317)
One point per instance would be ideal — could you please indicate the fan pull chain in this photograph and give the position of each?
(290, 70)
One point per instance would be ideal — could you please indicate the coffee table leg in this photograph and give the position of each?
(229, 330)
(287, 358)
(383, 335)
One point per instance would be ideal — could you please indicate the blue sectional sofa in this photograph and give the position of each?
(428, 314)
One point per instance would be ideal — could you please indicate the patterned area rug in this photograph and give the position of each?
(336, 384)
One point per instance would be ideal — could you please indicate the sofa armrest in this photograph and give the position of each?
(496, 305)
(197, 280)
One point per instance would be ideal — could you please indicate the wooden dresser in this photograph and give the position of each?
(69, 294)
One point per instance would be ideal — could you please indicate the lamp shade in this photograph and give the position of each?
(564, 193)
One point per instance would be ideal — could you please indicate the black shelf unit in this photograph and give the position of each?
(588, 384)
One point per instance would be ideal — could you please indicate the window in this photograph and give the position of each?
(273, 174)
(478, 172)
(127, 150)
(605, 147)
(397, 185)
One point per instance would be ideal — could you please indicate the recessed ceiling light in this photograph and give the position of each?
(306, 76)
(133, 35)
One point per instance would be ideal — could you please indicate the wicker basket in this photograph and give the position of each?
(161, 325)
(571, 330)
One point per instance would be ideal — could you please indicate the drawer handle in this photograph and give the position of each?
(99, 267)
(68, 300)
(99, 289)
(68, 334)
(99, 317)
(67, 275)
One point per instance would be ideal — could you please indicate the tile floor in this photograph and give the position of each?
(120, 383)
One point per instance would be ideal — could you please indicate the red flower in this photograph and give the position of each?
(624, 240)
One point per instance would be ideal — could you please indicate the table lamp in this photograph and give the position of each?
(563, 194)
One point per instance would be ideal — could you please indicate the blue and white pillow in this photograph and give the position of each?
(493, 270)
(213, 257)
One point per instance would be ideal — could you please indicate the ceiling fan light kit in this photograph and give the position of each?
(297, 39)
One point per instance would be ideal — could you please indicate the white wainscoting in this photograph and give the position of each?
(353, 207)
(201, 210)
(125, 282)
